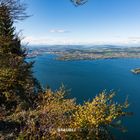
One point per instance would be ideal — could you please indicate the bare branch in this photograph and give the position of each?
(78, 2)
(15, 8)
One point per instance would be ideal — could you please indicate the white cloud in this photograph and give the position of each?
(59, 31)
(134, 37)
(49, 41)
(67, 41)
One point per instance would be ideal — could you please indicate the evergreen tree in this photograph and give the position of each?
(17, 84)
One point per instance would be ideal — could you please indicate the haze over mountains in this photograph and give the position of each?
(78, 52)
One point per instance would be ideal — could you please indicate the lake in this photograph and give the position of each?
(86, 78)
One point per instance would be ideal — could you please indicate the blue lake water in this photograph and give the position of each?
(87, 78)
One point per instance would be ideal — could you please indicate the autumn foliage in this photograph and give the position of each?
(58, 117)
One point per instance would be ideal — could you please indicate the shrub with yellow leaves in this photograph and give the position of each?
(93, 119)
(53, 112)
(58, 117)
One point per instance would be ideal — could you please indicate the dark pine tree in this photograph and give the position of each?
(18, 87)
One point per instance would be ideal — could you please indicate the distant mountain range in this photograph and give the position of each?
(80, 52)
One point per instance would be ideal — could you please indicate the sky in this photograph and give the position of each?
(59, 22)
